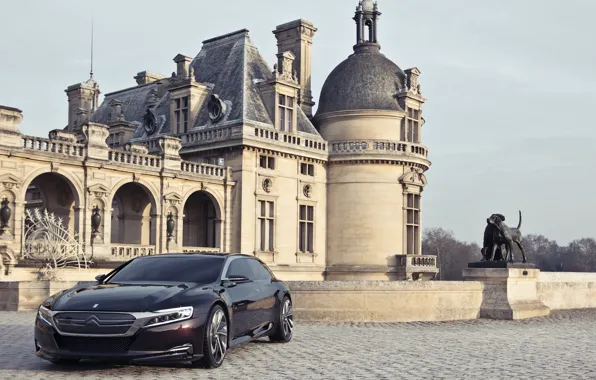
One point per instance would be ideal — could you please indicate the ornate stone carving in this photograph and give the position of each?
(216, 107)
(54, 167)
(284, 69)
(173, 199)
(413, 177)
(98, 191)
(10, 182)
(307, 191)
(150, 121)
(267, 185)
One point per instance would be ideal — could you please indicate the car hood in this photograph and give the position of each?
(118, 297)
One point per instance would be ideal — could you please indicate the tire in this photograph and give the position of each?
(285, 324)
(215, 340)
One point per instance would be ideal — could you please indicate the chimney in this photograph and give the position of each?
(182, 64)
(296, 36)
(83, 96)
(145, 77)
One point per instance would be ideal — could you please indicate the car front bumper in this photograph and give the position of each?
(180, 341)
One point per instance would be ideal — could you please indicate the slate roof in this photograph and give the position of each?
(366, 80)
(231, 66)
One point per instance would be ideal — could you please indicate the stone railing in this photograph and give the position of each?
(203, 169)
(377, 147)
(290, 139)
(135, 159)
(200, 250)
(206, 136)
(66, 148)
(416, 267)
(127, 251)
(423, 261)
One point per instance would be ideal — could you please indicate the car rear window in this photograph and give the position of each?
(196, 269)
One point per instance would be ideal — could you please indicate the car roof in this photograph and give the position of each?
(201, 254)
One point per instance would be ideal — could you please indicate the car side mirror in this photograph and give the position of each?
(100, 278)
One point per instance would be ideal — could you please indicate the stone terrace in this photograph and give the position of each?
(556, 347)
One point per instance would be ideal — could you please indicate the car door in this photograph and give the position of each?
(243, 296)
(268, 292)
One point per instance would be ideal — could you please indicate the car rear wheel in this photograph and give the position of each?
(285, 325)
(215, 341)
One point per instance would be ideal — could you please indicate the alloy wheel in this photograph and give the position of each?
(218, 335)
(287, 318)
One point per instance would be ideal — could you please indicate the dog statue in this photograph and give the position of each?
(507, 236)
(491, 233)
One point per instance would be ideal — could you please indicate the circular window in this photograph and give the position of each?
(216, 108)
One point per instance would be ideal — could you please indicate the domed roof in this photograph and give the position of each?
(366, 80)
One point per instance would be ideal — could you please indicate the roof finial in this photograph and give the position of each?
(91, 72)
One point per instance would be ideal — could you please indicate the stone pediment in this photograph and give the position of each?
(99, 190)
(413, 178)
(173, 199)
(10, 181)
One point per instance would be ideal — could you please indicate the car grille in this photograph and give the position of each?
(93, 323)
(94, 345)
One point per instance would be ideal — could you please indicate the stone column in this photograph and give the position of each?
(509, 290)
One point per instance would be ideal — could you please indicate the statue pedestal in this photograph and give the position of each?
(509, 290)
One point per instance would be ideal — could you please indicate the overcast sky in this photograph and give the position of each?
(511, 85)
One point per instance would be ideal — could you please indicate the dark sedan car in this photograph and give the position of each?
(166, 308)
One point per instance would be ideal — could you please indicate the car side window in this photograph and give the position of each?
(240, 267)
(260, 272)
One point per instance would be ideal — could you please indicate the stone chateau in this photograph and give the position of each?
(226, 155)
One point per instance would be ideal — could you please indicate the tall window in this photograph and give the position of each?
(307, 229)
(181, 114)
(411, 126)
(286, 113)
(266, 221)
(413, 224)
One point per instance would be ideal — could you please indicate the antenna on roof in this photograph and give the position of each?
(91, 73)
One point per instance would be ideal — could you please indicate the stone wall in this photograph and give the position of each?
(384, 301)
(355, 301)
(566, 290)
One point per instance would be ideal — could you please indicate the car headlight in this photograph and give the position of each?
(45, 315)
(170, 316)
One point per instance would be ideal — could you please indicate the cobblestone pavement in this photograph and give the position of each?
(561, 346)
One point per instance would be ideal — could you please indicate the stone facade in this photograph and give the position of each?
(225, 155)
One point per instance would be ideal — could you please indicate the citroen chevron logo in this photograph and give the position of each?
(92, 320)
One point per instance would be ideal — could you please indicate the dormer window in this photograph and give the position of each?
(181, 114)
(286, 113)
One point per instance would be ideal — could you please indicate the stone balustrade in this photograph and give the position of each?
(290, 139)
(206, 136)
(377, 147)
(203, 169)
(200, 250)
(129, 251)
(61, 147)
(135, 159)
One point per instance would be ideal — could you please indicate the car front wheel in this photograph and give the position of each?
(215, 341)
(285, 325)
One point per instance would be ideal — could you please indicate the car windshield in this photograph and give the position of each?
(195, 269)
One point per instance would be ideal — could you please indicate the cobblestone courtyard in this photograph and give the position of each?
(558, 347)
